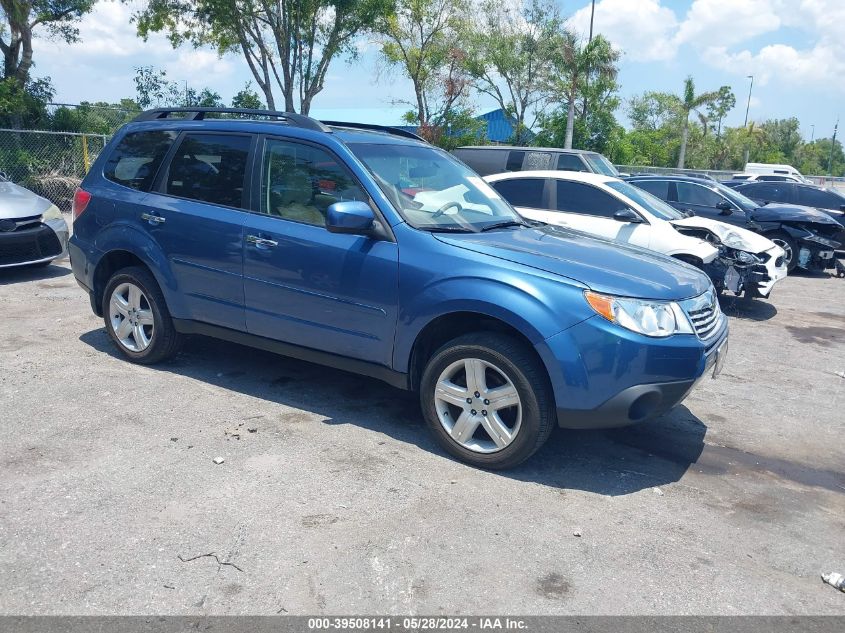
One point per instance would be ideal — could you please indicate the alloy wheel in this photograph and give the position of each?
(787, 250)
(131, 317)
(478, 405)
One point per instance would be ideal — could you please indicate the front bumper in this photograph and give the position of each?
(776, 270)
(604, 376)
(33, 242)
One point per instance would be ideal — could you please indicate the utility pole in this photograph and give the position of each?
(587, 78)
(592, 17)
(748, 106)
(812, 132)
(832, 145)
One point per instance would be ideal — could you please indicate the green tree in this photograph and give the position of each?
(423, 38)
(24, 105)
(511, 53)
(689, 103)
(22, 18)
(287, 43)
(719, 107)
(654, 110)
(578, 66)
(247, 98)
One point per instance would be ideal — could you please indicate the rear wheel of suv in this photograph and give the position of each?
(136, 317)
(488, 400)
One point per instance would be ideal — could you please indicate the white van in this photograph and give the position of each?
(773, 169)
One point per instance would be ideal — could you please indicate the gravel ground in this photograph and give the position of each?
(334, 499)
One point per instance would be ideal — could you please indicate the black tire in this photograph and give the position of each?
(783, 239)
(165, 340)
(521, 366)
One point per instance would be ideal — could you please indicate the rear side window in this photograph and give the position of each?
(537, 160)
(522, 192)
(770, 191)
(515, 161)
(659, 188)
(576, 197)
(136, 159)
(570, 162)
(210, 168)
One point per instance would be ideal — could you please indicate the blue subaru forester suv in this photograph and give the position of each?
(367, 249)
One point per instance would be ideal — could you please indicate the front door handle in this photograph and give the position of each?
(152, 219)
(261, 242)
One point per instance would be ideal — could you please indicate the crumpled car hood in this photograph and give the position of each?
(790, 213)
(750, 241)
(17, 202)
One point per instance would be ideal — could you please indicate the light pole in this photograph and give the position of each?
(592, 15)
(748, 106)
(587, 78)
(832, 145)
(812, 132)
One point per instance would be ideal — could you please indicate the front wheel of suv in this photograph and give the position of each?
(137, 318)
(487, 399)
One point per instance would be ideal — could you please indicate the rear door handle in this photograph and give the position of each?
(261, 242)
(152, 219)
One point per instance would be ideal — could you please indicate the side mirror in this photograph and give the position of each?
(627, 215)
(351, 216)
(725, 207)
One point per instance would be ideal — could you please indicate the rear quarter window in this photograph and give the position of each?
(137, 157)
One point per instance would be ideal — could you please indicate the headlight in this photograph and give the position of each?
(651, 318)
(52, 213)
(745, 257)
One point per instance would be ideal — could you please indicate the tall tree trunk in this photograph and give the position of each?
(682, 156)
(570, 124)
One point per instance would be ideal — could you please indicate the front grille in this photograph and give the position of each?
(28, 244)
(704, 314)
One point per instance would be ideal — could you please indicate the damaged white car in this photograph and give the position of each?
(736, 259)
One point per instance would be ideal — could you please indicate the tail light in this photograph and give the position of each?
(81, 198)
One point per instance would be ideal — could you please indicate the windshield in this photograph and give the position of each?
(654, 205)
(745, 203)
(835, 192)
(433, 191)
(601, 165)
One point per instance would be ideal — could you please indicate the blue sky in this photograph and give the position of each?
(794, 48)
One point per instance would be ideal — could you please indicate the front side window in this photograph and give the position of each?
(769, 191)
(433, 191)
(522, 192)
(691, 193)
(300, 182)
(810, 197)
(136, 159)
(576, 197)
(210, 168)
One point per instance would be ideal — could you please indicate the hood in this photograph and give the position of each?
(17, 202)
(790, 213)
(740, 239)
(601, 265)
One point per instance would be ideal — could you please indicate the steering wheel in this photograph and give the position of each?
(446, 207)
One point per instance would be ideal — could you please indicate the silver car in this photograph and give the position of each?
(32, 229)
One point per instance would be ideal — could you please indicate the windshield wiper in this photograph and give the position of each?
(446, 228)
(501, 225)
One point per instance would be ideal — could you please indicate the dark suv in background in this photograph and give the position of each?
(808, 237)
(491, 159)
(829, 200)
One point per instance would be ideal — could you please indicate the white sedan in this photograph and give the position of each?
(735, 259)
(32, 229)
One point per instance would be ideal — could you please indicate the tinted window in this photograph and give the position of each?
(209, 168)
(691, 193)
(659, 188)
(136, 159)
(570, 162)
(515, 161)
(522, 192)
(575, 197)
(299, 182)
(773, 178)
(817, 198)
(769, 191)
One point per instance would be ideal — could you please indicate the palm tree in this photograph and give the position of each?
(576, 64)
(689, 103)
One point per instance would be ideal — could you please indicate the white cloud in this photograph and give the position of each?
(728, 21)
(643, 29)
(786, 64)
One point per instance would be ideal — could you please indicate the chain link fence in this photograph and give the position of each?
(52, 164)
(826, 181)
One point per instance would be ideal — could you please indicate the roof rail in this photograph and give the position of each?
(198, 114)
(376, 128)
